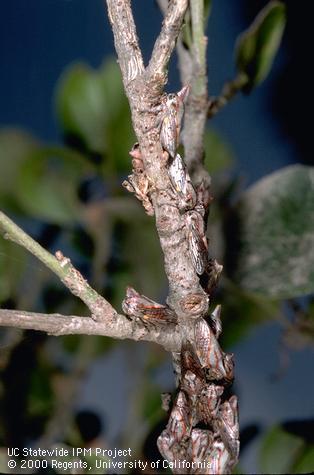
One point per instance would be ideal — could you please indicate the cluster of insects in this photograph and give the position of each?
(203, 426)
(193, 203)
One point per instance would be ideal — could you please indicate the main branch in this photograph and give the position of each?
(186, 296)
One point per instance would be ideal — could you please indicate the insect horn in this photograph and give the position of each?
(184, 92)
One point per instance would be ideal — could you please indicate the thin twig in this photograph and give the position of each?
(229, 91)
(62, 267)
(120, 327)
(192, 63)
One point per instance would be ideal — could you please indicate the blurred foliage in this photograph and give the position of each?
(74, 198)
(285, 452)
(92, 108)
(242, 312)
(256, 48)
(13, 261)
(275, 234)
(218, 154)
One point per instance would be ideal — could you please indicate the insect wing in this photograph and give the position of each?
(228, 425)
(200, 443)
(179, 420)
(137, 305)
(190, 361)
(196, 240)
(219, 459)
(213, 272)
(216, 320)
(204, 197)
(191, 384)
(209, 402)
(184, 92)
(165, 443)
(158, 314)
(197, 252)
(208, 349)
(229, 365)
(172, 451)
(178, 175)
(168, 134)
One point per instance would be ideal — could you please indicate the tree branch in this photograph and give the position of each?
(125, 39)
(166, 40)
(120, 327)
(186, 296)
(192, 64)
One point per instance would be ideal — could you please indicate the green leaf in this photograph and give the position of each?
(81, 105)
(256, 48)
(13, 261)
(91, 104)
(39, 180)
(305, 461)
(275, 233)
(15, 147)
(47, 184)
(218, 154)
(279, 451)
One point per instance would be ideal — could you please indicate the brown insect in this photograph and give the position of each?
(181, 182)
(171, 111)
(190, 361)
(167, 446)
(208, 350)
(209, 402)
(211, 276)
(179, 423)
(192, 385)
(215, 318)
(219, 459)
(171, 120)
(138, 306)
(172, 450)
(197, 241)
(203, 199)
(200, 442)
(227, 425)
(229, 365)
